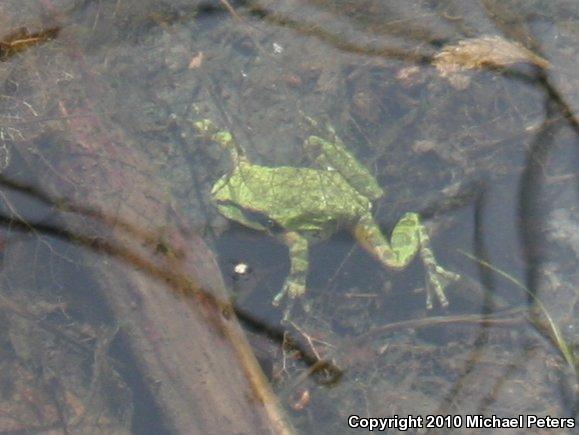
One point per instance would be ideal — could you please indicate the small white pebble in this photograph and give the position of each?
(241, 268)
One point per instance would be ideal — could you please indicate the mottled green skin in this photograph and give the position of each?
(312, 202)
(300, 205)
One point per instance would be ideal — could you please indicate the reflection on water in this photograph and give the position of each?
(462, 112)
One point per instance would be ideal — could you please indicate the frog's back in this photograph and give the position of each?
(298, 199)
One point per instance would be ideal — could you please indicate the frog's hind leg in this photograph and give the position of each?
(408, 239)
(295, 284)
(333, 155)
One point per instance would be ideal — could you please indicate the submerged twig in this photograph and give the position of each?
(22, 39)
(232, 11)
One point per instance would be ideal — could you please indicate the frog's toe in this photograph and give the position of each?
(288, 310)
(434, 288)
(292, 289)
(438, 279)
(277, 298)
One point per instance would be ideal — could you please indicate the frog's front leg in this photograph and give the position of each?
(295, 284)
(206, 128)
(409, 238)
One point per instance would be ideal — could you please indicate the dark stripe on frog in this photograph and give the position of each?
(265, 221)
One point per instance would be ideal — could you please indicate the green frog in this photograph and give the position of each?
(302, 205)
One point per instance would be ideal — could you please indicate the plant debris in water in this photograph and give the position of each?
(479, 53)
(23, 39)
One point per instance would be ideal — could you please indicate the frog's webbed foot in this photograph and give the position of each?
(437, 279)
